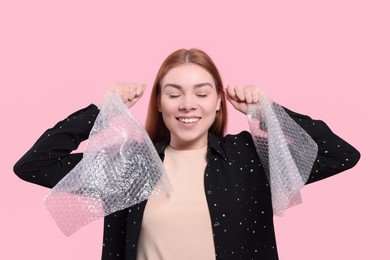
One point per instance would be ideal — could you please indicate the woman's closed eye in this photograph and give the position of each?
(173, 95)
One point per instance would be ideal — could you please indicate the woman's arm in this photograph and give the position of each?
(50, 158)
(334, 154)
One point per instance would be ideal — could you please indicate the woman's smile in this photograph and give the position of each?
(188, 120)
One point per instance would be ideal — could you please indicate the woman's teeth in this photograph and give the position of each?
(188, 120)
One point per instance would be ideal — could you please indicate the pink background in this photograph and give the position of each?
(329, 59)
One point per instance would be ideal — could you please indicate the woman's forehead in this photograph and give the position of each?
(187, 75)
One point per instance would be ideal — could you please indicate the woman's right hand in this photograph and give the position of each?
(129, 93)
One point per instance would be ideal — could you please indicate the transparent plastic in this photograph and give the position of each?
(286, 151)
(120, 168)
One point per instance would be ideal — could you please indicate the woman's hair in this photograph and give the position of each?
(155, 125)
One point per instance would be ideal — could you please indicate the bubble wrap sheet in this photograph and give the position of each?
(120, 168)
(286, 151)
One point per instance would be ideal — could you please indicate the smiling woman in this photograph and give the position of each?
(203, 66)
(188, 105)
(222, 204)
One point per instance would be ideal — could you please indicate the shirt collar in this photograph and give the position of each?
(215, 145)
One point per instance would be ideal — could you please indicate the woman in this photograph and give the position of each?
(221, 207)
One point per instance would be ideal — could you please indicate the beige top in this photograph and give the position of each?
(178, 226)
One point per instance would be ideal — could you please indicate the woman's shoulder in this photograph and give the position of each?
(239, 140)
(242, 136)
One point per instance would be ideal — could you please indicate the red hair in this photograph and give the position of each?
(155, 125)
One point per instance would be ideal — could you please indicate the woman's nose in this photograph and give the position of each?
(188, 104)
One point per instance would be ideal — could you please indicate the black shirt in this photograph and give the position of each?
(236, 187)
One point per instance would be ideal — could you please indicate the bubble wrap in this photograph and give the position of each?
(120, 168)
(286, 151)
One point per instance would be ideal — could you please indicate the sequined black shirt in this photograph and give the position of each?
(236, 187)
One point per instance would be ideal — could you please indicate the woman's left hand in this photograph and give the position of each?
(241, 96)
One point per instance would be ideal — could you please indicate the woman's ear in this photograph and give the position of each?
(159, 105)
(219, 103)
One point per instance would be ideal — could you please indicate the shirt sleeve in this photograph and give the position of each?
(50, 158)
(334, 154)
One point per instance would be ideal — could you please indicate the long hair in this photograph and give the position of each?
(155, 125)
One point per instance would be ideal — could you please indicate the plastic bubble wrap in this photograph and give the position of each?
(286, 151)
(120, 168)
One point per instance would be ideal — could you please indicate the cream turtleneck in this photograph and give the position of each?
(178, 226)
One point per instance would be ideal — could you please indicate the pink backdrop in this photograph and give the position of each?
(329, 59)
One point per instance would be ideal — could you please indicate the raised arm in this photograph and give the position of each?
(334, 154)
(50, 158)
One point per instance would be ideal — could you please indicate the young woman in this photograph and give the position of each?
(221, 207)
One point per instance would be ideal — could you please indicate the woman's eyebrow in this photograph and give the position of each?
(203, 84)
(172, 85)
(199, 85)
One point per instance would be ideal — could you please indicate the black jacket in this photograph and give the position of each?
(236, 187)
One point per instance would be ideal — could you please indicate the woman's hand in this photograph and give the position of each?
(130, 93)
(241, 96)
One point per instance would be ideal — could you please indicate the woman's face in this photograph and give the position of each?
(188, 103)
